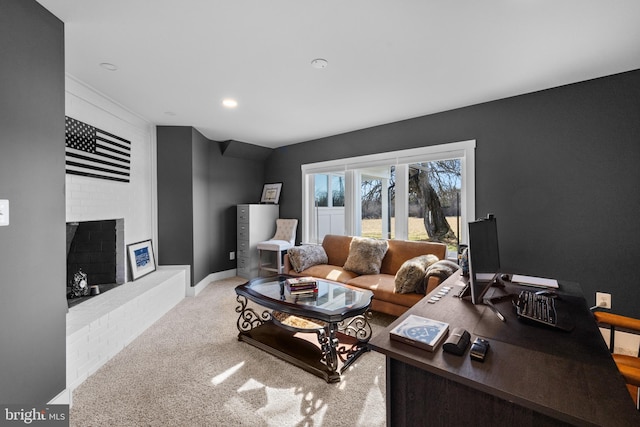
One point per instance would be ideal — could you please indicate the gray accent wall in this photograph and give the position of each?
(232, 181)
(559, 168)
(33, 305)
(200, 183)
(203, 245)
(175, 196)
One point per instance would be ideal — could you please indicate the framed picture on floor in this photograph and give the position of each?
(141, 258)
(271, 193)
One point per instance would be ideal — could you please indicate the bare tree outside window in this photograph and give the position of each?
(337, 185)
(434, 200)
(435, 188)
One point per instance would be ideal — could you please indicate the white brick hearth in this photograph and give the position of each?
(100, 327)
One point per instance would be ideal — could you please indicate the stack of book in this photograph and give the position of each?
(302, 285)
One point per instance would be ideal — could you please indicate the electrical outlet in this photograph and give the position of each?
(603, 300)
(232, 256)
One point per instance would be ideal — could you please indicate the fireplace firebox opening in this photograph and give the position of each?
(95, 258)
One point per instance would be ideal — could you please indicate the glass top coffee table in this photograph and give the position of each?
(321, 332)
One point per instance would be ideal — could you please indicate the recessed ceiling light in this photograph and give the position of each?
(108, 66)
(230, 103)
(319, 63)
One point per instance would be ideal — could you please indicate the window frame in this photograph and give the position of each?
(463, 150)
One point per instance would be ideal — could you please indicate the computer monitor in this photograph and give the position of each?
(484, 256)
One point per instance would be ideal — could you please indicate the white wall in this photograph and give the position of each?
(96, 199)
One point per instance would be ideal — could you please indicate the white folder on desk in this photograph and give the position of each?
(535, 281)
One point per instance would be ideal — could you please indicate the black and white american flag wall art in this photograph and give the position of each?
(95, 153)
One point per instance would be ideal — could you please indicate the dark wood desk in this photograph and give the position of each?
(532, 376)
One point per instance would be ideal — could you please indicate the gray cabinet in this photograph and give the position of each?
(256, 223)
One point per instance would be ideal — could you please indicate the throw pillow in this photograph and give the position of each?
(411, 274)
(441, 269)
(305, 256)
(365, 255)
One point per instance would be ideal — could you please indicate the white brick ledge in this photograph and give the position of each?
(99, 328)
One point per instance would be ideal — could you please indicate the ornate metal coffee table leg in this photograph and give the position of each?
(358, 327)
(248, 318)
(332, 352)
(328, 345)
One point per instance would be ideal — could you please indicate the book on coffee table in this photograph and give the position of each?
(301, 285)
(300, 281)
(420, 332)
(311, 291)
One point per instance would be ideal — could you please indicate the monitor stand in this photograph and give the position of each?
(490, 299)
(466, 290)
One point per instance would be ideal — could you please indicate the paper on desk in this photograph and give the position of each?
(535, 281)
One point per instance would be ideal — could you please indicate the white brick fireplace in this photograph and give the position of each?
(100, 327)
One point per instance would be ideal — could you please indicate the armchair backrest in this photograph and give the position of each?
(286, 230)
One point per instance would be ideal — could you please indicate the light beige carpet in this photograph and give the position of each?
(189, 369)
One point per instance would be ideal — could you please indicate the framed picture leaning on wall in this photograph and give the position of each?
(141, 258)
(271, 193)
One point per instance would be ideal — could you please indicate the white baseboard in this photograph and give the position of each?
(193, 291)
(64, 398)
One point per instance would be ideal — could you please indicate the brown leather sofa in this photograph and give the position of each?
(385, 298)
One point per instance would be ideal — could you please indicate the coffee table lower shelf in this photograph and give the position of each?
(303, 350)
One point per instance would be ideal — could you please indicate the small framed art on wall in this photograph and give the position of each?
(271, 193)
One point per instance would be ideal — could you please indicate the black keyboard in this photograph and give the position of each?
(537, 308)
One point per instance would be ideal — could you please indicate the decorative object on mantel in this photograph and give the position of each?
(141, 259)
(79, 285)
(95, 153)
(271, 193)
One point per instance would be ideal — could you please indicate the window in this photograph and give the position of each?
(376, 206)
(328, 212)
(322, 190)
(323, 183)
(418, 194)
(337, 190)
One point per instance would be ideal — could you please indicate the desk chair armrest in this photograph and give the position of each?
(617, 320)
(631, 375)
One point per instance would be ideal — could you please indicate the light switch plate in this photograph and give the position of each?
(4, 212)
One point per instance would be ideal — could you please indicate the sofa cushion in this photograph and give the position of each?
(365, 255)
(402, 250)
(411, 275)
(329, 272)
(337, 248)
(305, 256)
(383, 286)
